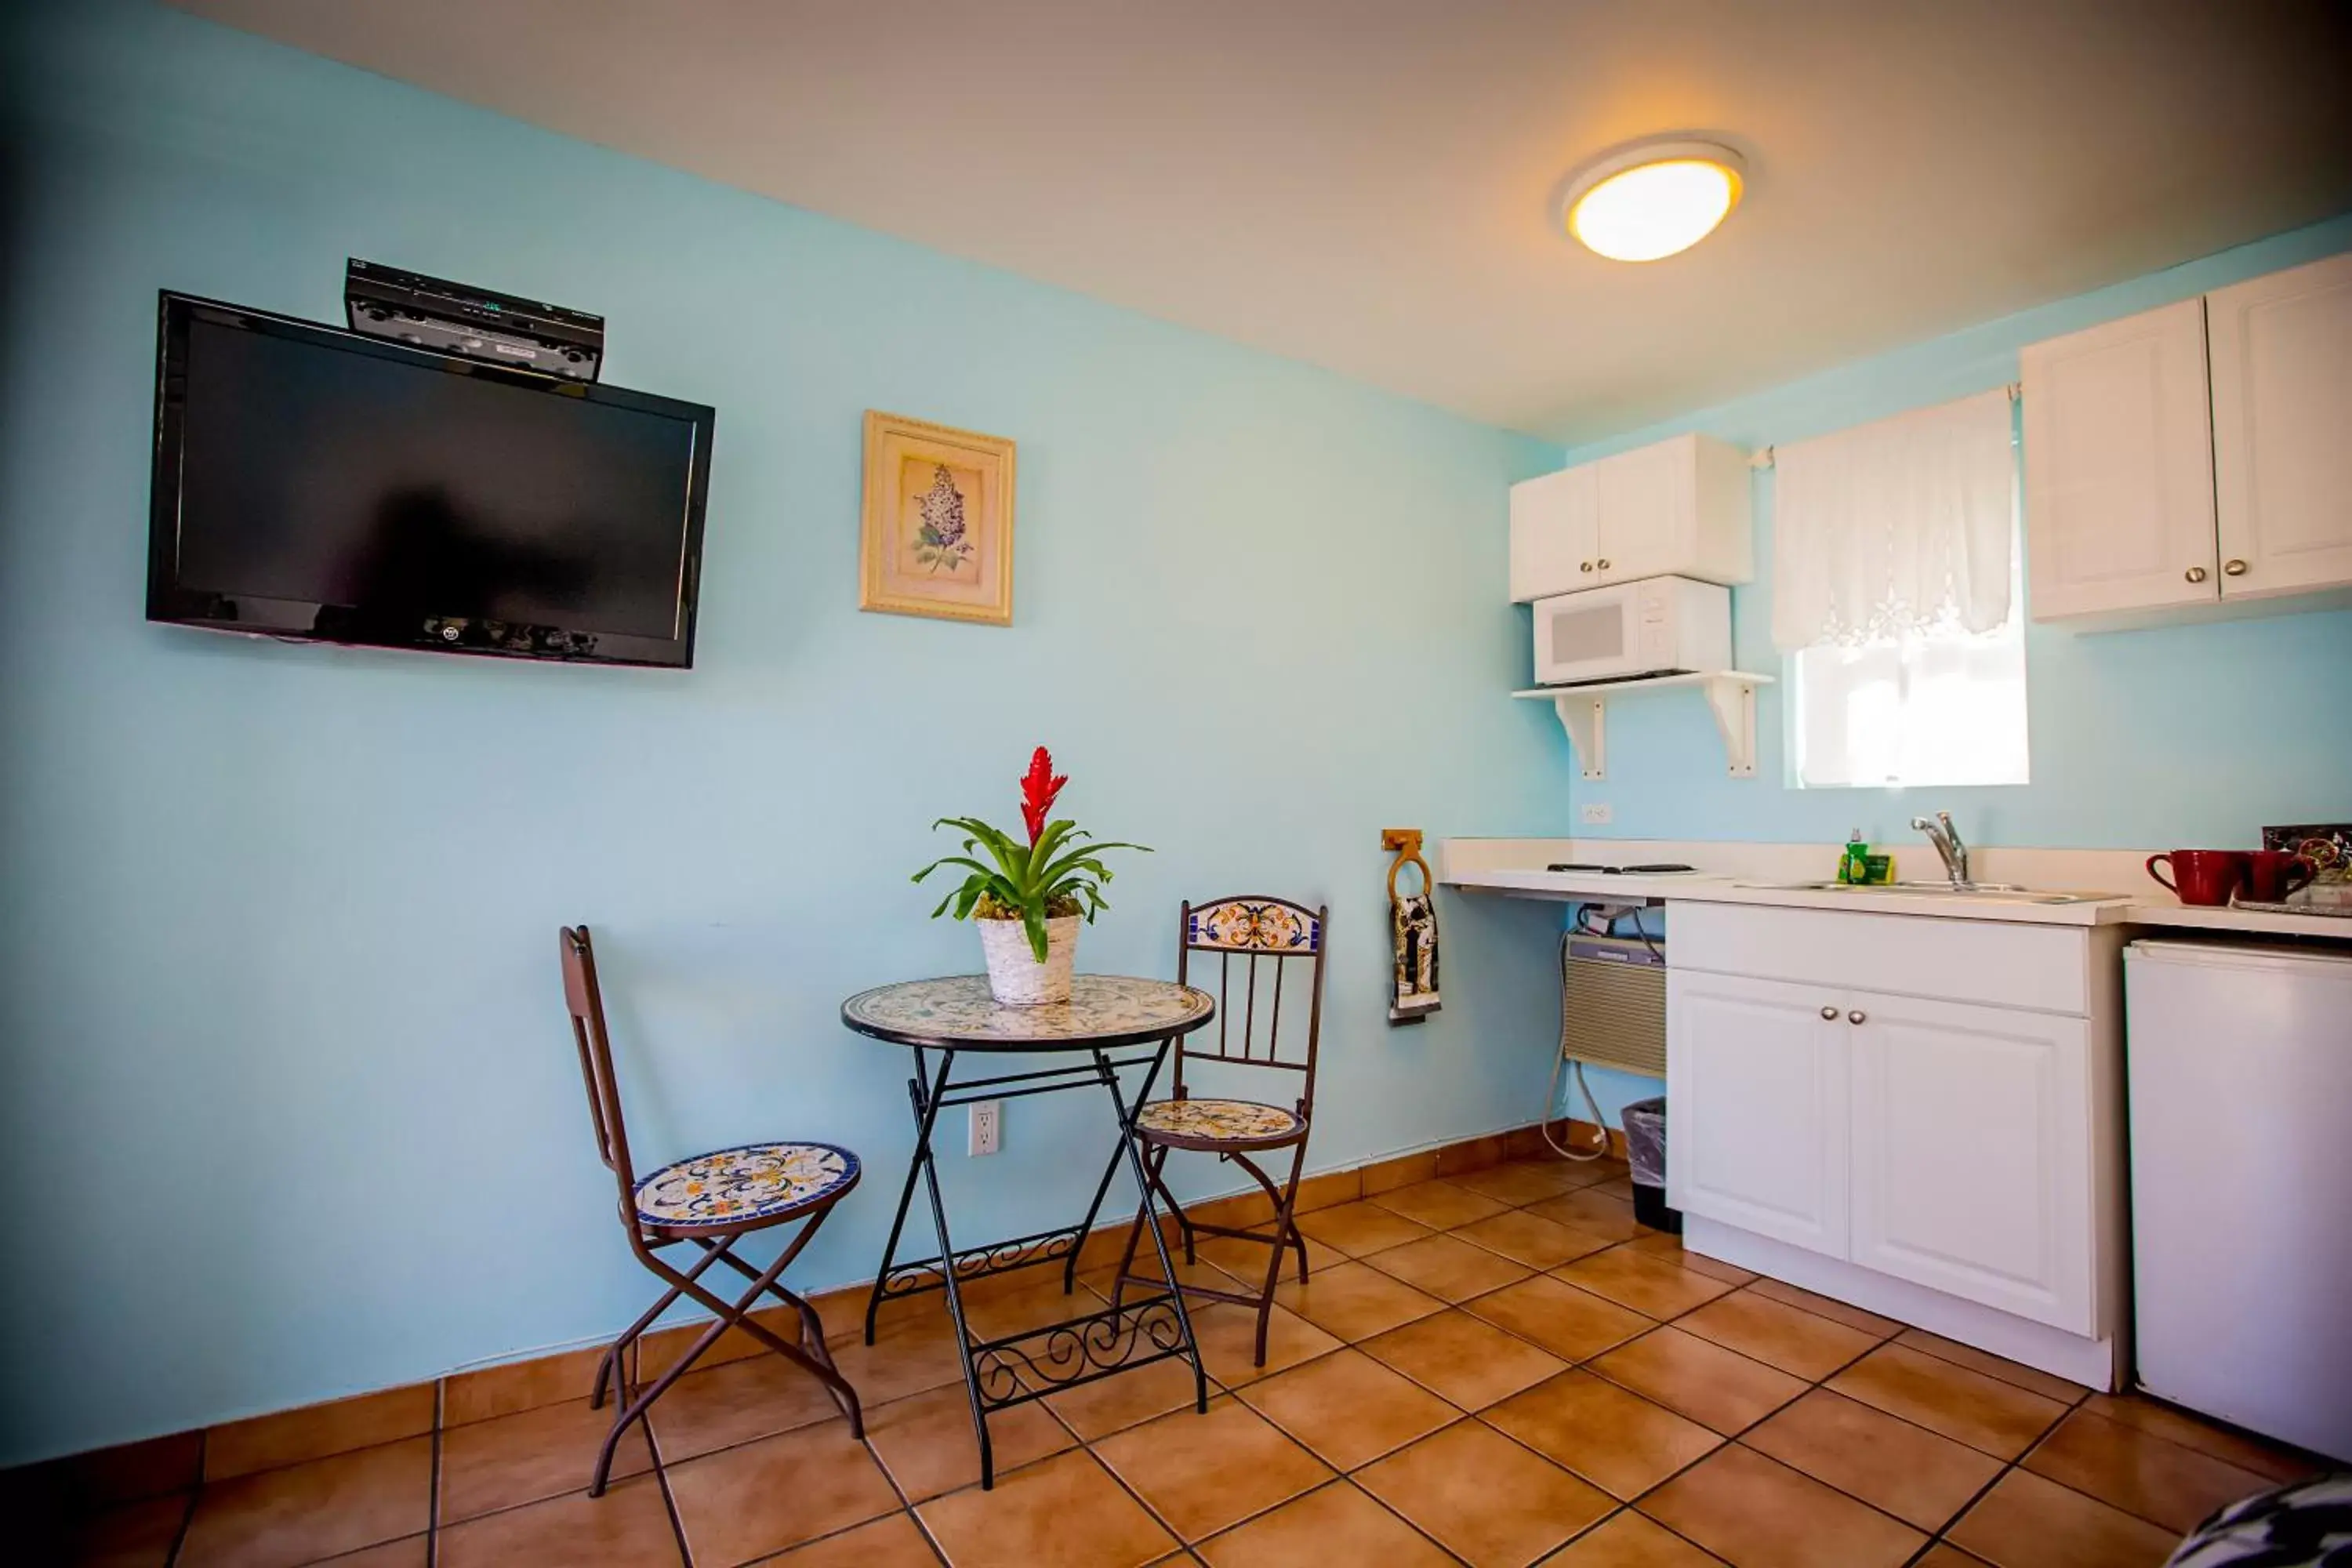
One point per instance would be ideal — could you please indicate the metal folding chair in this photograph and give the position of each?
(713, 1200)
(1281, 934)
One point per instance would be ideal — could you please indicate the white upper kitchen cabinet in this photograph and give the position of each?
(1971, 1159)
(1756, 1075)
(1555, 530)
(1677, 507)
(2282, 351)
(2119, 467)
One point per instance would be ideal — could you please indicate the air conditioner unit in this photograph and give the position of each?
(1612, 1003)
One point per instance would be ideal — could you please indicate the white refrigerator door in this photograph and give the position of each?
(2241, 1067)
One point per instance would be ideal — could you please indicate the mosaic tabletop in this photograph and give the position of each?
(1103, 1010)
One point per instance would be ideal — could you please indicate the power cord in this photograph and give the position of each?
(1551, 1097)
(1610, 914)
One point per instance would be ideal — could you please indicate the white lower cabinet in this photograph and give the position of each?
(1757, 1079)
(1971, 1161)
(1926, 1109)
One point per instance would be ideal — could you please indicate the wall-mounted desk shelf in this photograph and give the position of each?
(1584, 710)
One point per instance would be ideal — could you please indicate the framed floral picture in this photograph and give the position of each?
(937, 530)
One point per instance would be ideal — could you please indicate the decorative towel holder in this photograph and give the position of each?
(1413, 927)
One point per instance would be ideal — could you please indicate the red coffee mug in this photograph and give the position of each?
(2272, 874)
(2203, 876)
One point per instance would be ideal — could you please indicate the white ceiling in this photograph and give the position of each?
(1366, 184)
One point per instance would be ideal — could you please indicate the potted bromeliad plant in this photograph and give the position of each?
(1028, 898)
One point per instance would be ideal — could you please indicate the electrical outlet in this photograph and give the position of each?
(1595, 813)
(987, 1126)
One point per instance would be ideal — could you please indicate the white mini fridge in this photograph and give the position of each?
(2239, 1061)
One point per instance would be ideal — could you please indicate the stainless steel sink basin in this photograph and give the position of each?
(2007, 891)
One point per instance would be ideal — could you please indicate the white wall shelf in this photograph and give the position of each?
(1584, 711)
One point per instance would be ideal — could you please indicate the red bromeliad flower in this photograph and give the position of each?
(1038, 788)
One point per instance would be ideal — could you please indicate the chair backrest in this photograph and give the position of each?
(1256, 930)
(586, 1003)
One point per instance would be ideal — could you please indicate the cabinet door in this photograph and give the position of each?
(2283, 429)
(1646, 516)
(1757, 1079)
(2119, 467)
(1973, 1168)
(1553, 535)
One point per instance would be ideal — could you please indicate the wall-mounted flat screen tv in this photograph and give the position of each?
(312, 483)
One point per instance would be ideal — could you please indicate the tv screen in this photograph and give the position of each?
(313, 483)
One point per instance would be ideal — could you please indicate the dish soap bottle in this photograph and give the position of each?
(1853, 867)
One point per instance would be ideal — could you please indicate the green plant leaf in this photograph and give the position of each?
(1062, 867)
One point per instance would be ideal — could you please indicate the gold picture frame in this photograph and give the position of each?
(937, 523)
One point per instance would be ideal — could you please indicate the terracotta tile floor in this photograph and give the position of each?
(1504, 1369)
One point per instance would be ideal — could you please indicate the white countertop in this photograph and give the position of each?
(1492, 867)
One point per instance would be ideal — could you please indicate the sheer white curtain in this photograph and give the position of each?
(1895, 528)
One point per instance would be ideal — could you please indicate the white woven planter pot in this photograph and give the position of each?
(1014, 975)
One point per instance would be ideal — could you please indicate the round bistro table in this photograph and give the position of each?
(955, 1018)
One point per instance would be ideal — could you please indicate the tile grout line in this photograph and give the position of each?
(1348, 1478)
(661, 1478)
(1879, 1342)
(1183, 1546)
(1631, 1505)
(1735, 1439)
(1933, 1536)
(1624, 1508)
(1943, 1535)
(906, 1503)
(433, 1478)
(2072, 1406)
(188, 1514)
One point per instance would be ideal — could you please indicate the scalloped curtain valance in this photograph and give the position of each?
(1895, 528)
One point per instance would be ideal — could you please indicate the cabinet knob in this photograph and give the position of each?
(2195, 574)
(2233, 568)
(1830, 1014)
(1604, 564)
(1857, 1017)
(1584, 565)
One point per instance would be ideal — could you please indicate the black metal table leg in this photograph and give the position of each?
(1094, 1209)
(954, 1291)
(1127, 1142)
(915, 1096)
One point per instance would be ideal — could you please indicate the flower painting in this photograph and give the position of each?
(938, 521)
(941, 538)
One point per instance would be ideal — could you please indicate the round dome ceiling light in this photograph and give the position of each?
(1653, 199)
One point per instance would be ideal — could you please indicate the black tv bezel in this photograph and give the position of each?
(293, 619)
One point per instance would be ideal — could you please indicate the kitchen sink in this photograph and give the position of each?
(2009, 891)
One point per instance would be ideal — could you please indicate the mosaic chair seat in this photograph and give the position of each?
(1258, 944)
(1216, 1123)
(712, 1201)
(759, 1181)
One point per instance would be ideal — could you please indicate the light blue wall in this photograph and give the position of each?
(286, 1093)
(2183, 735)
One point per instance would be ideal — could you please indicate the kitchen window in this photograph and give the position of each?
(1924, 708)
(1897, 597)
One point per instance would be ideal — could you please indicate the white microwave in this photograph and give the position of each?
(1657, 626)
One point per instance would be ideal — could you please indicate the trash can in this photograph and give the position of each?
(1645, 1151)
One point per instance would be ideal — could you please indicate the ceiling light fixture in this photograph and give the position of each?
(1653, 199)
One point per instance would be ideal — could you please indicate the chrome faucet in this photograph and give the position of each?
(1949, 843)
